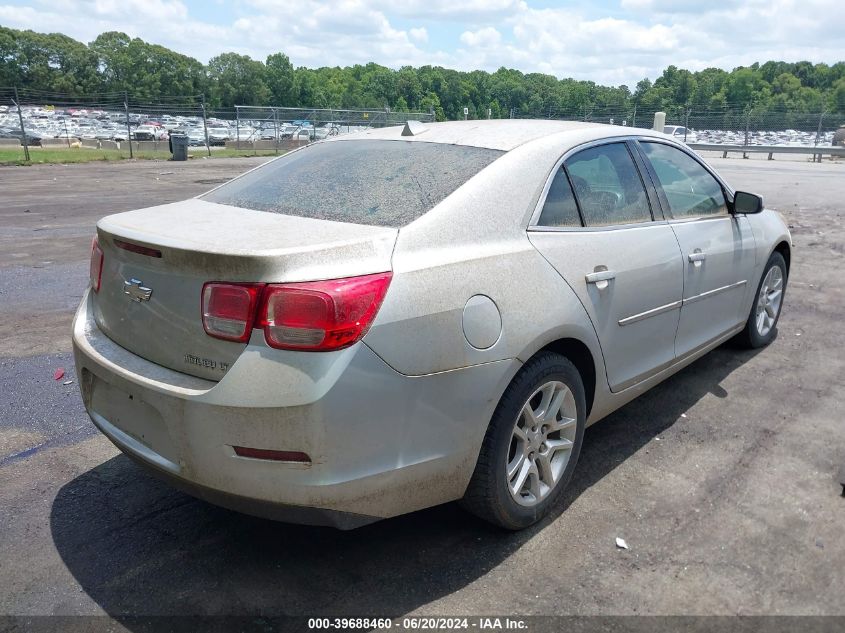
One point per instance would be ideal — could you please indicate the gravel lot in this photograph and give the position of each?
(723, 480)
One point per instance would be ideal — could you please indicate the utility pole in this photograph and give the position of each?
(205, 127)
(23, 130)
(276, 128)
(128, 130)
(686, 123)
(819, 135)
(747, 129)
(819, 130)
(238, 127)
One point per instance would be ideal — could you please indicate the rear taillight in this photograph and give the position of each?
(95, 270)
(228, 310)
(321, 315)
(312, 316)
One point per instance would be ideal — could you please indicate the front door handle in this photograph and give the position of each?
(600, 278)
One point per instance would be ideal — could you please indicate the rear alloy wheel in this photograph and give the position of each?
(531, 446)
(542, 442)
(761, 326)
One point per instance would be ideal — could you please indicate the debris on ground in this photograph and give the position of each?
(620, 543)
(59, 373)
(67, 382)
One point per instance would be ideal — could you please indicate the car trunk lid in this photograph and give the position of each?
(157, 260)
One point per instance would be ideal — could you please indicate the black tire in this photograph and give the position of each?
(487, 495)
(750, 337)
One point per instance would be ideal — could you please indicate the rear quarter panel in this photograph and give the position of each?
(475, 243)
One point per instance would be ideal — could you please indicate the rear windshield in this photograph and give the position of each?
(375, 182)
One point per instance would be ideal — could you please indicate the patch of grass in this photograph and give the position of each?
(39, 155)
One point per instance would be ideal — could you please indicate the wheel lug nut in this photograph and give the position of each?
(543, 448)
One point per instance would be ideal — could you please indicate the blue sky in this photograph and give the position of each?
(607, 41)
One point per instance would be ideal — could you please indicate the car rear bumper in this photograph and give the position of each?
(380, 443)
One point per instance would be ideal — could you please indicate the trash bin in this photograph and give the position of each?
(179, 146)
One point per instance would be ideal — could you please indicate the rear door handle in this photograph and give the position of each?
(601, 278)
(601, 275)
(697, 257)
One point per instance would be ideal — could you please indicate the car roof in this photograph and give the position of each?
(499, 134)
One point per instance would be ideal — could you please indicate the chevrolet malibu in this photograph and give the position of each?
(402, 317)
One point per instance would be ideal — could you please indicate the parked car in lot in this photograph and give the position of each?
(402, 317)
(196, 138)
(325, 130)
(146, 133)
(247, 134)
(288, 131)
(681, 133)
(304, 134)
(31, 137)
(218, 135)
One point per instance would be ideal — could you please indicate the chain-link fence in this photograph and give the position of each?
(111, 122)
(728, 125)
(118, 125)
(277, 124)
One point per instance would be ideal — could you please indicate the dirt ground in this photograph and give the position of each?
(722, 480)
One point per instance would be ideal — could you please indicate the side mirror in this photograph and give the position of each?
(745, 202)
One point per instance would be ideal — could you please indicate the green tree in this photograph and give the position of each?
(279, 77)
(837, 97)
(237, 80)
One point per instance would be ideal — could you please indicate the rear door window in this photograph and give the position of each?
(560, 208)
(608, 186)
(374, 182)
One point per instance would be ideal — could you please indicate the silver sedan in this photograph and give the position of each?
(402, 317)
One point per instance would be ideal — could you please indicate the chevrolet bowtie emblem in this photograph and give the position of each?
(136, 291)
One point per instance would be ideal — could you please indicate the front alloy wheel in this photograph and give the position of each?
(761, 326)
(768, 300)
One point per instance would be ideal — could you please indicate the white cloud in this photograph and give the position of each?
(615, 50)
(566, 44)
(469, 10)
(487, 37)
(676, 6)
(344, 32)
(418, 34)
(165, 22)
(243, 24)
